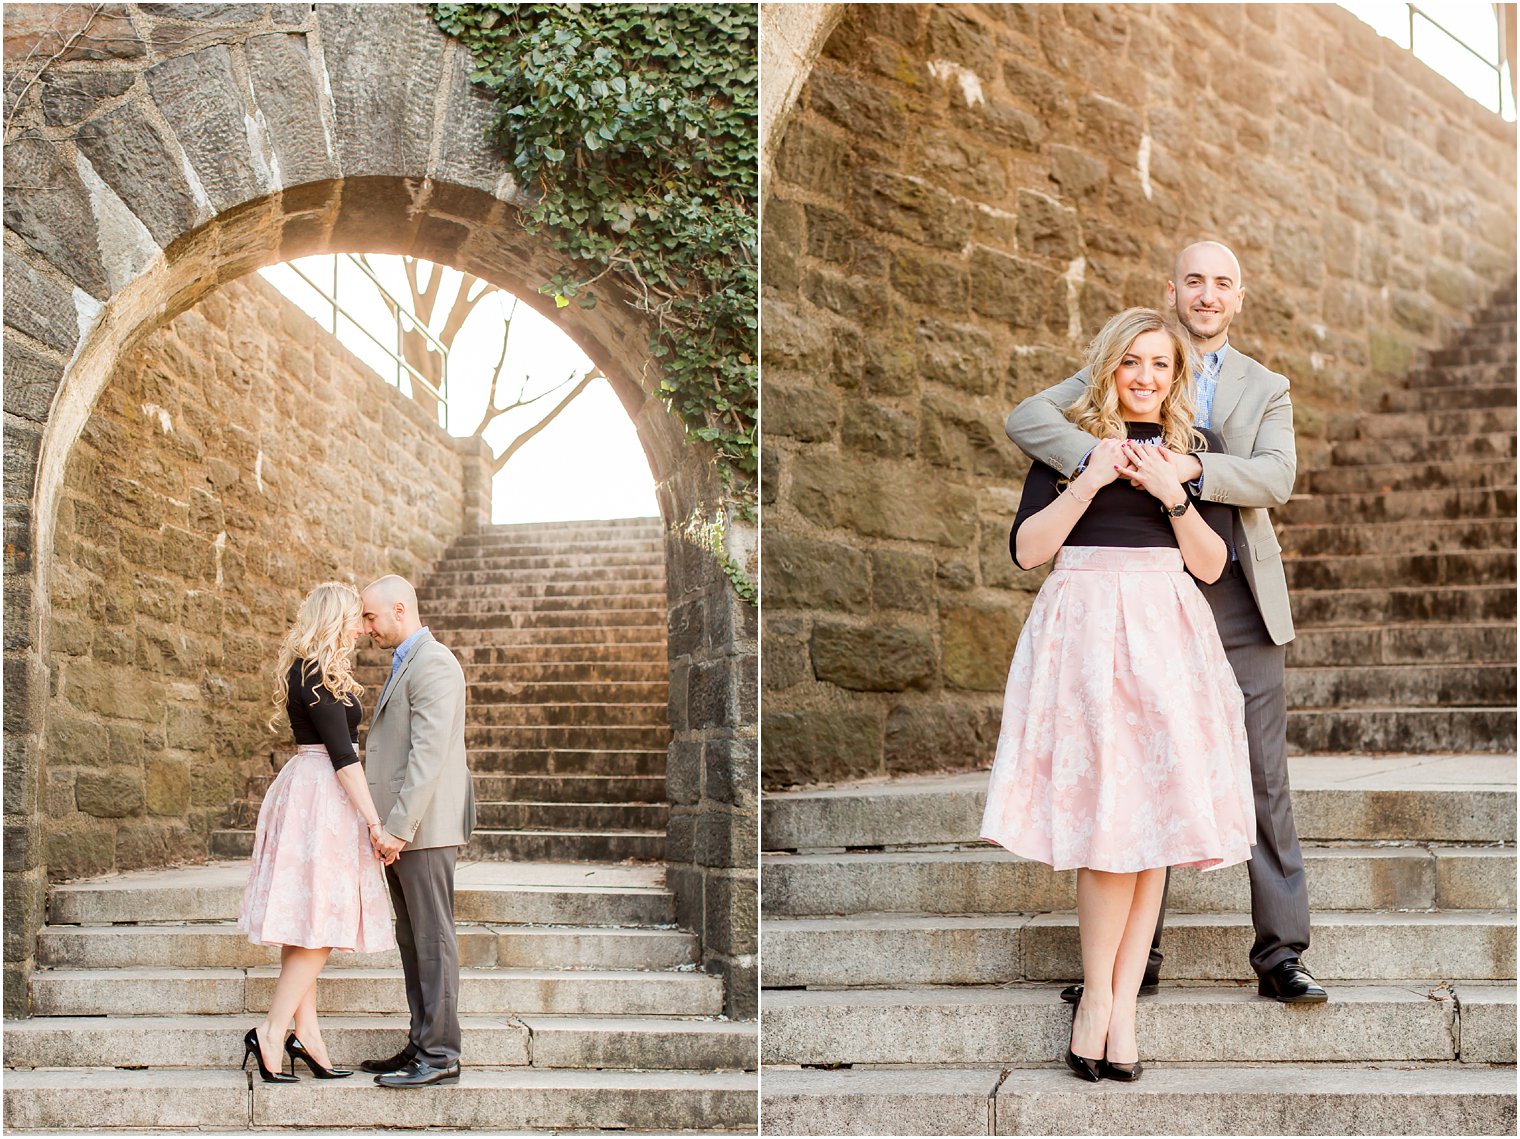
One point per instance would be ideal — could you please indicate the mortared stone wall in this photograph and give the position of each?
(962, 195)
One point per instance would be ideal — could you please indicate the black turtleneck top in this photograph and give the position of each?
(1120, 514)
(319, 717)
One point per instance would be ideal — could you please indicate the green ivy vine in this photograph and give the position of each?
(635, 130)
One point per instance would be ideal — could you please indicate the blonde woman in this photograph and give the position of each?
(315, 883)
(1123, 747)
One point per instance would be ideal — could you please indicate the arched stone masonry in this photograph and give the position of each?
(171, 148)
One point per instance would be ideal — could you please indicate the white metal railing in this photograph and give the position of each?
(403, 315)
(1496, 64)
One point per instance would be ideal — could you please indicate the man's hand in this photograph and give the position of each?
(386, 845)
(1188, 467)
(1154, 469)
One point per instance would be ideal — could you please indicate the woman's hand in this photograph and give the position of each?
(1103, 467)
(1150, 467)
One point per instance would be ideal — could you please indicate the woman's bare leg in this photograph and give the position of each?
(299, 967)
(1104, 901)
(1129, 964)
(307, 1029)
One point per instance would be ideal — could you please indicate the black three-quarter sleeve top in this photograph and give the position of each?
(1120, 514)
(319, 717)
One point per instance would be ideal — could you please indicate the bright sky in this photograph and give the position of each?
(1474, 23)
(586, 464)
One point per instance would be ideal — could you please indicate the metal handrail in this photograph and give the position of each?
(1496, 65)
(397, 354)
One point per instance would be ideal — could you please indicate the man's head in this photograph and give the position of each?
(390, 611)
(1206, 292)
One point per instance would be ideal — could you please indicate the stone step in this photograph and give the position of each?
(1423, 424)
(1447, 686)
(145, 990)
(570, 691)
(548, 546)
(165, 1043)
(528, 760)
(1456, 449)
(513, 845)
(1400, 605)
(1484, 359)
(991, 880)
(1372, 729)
(991, 949)
(1465, 567)
(1326, 509)
(1491, 642)
(1018, 1026)
(506, 716)
(448, 575)
(1336, 798)
(625, 660)
(1414, 474)
(1276, 1099)
(584, 817)
(467, 606)
(222, 945)
(1449, 396)
(651, 563)
(526, 893)
(582, 845)
(456, 623)
(570, 788)
(555, 678)
(639, 737)
(491, 1100)
(1350, 538)
(504, 646)
(430, 595)
(597, 527)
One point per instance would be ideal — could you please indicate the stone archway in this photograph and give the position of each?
(176, 148)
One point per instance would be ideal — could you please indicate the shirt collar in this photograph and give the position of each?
(399, 653)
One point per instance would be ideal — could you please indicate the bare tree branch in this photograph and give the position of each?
(517, 444)
(68, 43)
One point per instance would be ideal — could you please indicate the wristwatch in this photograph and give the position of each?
(1176, 511)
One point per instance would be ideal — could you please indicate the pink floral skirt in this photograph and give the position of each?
(314, 880)
(1123, 744)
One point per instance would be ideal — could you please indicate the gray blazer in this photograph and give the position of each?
(1254, 417)
(414, 754)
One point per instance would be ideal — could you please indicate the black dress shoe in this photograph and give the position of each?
(394, 1064)
(419, 1074)
(1149, 987)
(1291, 983)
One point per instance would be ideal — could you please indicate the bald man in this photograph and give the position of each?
(415, 760)
(1248, 406)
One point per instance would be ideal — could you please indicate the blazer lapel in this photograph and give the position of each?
(1230, 387)
(395, 677)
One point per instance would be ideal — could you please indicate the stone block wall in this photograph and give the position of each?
(961, 196)
(237, 457)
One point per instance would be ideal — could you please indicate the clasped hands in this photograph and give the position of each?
(1148, 467)
(386, 845)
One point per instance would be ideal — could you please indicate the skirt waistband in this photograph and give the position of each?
(312, 749)
(1126, 559)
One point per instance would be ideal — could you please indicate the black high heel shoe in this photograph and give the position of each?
(1081, 1066)
(297, 1051)
(1124, 1073)
(251, 1048)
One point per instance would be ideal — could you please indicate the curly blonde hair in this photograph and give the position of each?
(1097, 410)
(318, 638)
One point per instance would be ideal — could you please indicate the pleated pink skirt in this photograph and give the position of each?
(314, 880)
(1123, 743)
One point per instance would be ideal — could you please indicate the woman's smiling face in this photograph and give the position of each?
(1144, 376)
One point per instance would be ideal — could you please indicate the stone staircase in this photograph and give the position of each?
(910, 972)
(560, 629)
(1400, 555)
(581, 1003)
